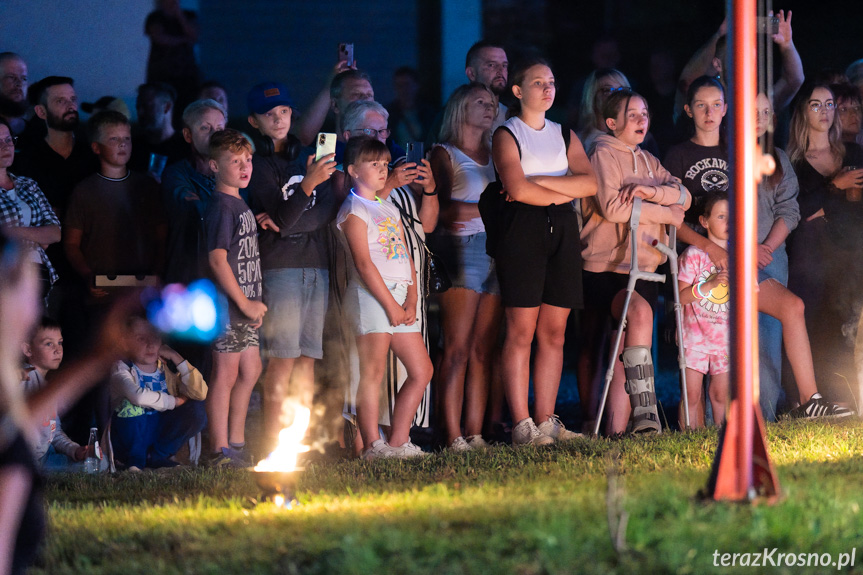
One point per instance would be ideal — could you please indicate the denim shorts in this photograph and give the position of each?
(365, 313)
(466, 262)
(296, 301)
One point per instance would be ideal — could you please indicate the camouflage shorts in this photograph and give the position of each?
(237, 337)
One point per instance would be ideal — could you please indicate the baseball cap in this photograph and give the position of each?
(266, 96)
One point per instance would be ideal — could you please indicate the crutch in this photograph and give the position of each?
(635, 274)
(670, 250)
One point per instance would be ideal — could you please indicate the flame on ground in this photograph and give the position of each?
(284, 457)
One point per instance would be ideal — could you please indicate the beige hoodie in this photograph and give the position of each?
(605, 236)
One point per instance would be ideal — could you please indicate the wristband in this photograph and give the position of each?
(701, 293)
(434, 193)
(695, 294)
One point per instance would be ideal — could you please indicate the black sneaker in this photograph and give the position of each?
(817, 406)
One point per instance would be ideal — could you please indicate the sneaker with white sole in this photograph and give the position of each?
(407, 451)
(379, 449)
(526, 433)
(817, 406)
(477, 442)
(555, 429)
(459, 444)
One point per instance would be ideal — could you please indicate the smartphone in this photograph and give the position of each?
(768, 24)
(346, 53)
(326, 144)
(195, 313)
(415, 154)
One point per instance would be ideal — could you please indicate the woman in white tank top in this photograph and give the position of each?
(538, 250)
(471, 309)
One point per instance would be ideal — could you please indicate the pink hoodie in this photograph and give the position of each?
(605, 235)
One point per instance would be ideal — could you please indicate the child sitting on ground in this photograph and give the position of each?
(704, 293)
(381, 300)
(153, 415)
(232, 245)
(44, 353)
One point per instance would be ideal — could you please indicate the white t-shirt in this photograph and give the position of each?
(384, 232)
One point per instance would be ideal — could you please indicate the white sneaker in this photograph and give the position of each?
(526, 433)
(477, 442)
(407, 451)
(378, 449)
(554, 428)
(459, 444)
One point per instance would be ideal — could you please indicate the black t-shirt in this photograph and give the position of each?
(702, 169)
(231, 226)
(303, 221)
(174, 148)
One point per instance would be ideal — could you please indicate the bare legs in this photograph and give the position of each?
(234, 376)
(549, 324)
(372, 349)
(292, 378)
(777, 301)
(470, 326)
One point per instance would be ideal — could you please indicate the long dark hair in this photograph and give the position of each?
(798, 140)
(707, 82)
(618, 100)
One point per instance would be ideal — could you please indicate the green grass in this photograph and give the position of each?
(529, 511)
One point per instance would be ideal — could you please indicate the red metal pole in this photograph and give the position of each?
(742, 470)
(744, 309)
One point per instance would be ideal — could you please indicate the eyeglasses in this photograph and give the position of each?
(8, 142)
(385, 133)
(846, 109)
(816, 106)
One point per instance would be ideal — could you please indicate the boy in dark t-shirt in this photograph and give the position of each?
(232, 245)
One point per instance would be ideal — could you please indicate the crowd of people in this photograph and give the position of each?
(322, 235)
(323, 253)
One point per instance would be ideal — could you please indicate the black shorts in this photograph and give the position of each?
(538, 256)
(601, 288)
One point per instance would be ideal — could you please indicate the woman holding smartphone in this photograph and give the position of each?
(537, 252)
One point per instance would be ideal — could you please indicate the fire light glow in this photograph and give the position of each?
(284, 456)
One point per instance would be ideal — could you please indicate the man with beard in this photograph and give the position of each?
(13, 91)
(486, 63)
(59, 160)
(156, 138)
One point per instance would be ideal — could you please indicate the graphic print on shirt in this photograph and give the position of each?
(717, 300)
(249, 273)
(390, 238)
(712, 173)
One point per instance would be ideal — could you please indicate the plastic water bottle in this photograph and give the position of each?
(94, 454)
